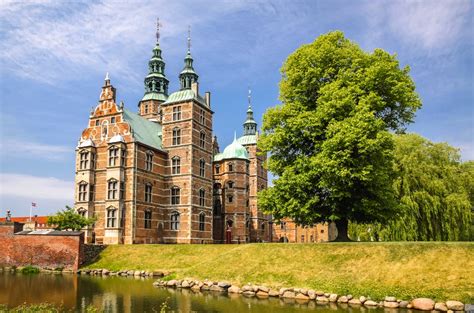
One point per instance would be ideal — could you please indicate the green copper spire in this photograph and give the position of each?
(250, 126)
(188, 76)
(156, 83)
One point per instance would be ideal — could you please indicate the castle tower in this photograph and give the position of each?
(187, 137)
(156, 84)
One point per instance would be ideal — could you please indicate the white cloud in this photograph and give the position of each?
(27, 149)
(429, 25)
(35, 188)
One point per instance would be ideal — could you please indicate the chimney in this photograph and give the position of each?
(195, 88)
(208, 98)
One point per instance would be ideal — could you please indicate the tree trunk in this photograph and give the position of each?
(342, 226)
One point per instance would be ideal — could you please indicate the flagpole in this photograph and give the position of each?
(31, 210)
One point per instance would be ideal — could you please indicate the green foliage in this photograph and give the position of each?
(69, 219)
(435, 192)
(329, 142)
(30, 270)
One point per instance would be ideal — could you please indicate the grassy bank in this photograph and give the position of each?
(406, 270)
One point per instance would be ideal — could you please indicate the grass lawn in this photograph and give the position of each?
(438, 270)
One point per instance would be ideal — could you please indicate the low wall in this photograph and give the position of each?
(54, 249)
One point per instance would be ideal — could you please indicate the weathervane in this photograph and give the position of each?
(189, 37)
(158, 24)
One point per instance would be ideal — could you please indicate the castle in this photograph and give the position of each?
(157, 176)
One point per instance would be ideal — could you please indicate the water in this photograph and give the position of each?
(123, 294)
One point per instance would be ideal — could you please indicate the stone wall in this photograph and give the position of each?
(54, 249)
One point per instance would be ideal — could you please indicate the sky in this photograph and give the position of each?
(54, 56)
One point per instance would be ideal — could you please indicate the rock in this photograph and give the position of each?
(171, 283)
(247, 288)
(409, 306)
(282, 291)
(248, 293)
(216, 288)
(273, 293)
(130, 273)
(320, 293)
(288, 295)
(296, 290)
(469, 307)
(403, 304)
(455, 305)
(327, 294)
(354, 301)
(390, 299)
(390, 304)
(264, 289)
(441, 306)
(301, 296)
(157, 274)
(262, 294)
(370, 303)
(380, 304)
(349, 297)
(205, 287)
(233, 289)
(304, 291)
(322, 299)
(223, 284)
(342, 299)
(196, 288)
(311, 294)
(362, 299)
(105, 272)
(185, 284)
(423, 304)
(333, 297)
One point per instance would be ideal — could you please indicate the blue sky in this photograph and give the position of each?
(54, 56)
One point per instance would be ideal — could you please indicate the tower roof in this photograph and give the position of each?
(233, 151)
(188, 75)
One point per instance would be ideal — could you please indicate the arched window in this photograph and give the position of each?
(175, 195)
(175, 220)
(230, 167)
(202, 220)
(218, 168)
(146, 107)
(111, 217)
(148, 190)
(83, 159)
(230, 199)
(113, 155)
(202, 197)
(262, 226)
(149, 161)
(202, 167)
(202, 116)
(148, 218)
(82, 194)
(176, 136)
(176, 165)
(202, 139)
(112, 186)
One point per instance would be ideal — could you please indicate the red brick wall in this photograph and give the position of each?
(50, 251)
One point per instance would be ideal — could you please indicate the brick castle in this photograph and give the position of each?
(158, 176)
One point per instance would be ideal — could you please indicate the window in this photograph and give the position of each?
(322, 231)
(112, 120)
(247, 203)
(113, 156)
(148, 189)
(230, 199)
(92, 160)
(218, 168)
(149, 161)
(146, 108)
(91, 193)
(148, 219)
(176, 165)
(311, 238)
(247, 168)
(247, 224)
(230, 184)
(262, 226)
(202, 167)
(83, 156)
(202, 197)
(302, 238)
(97, 122)
(112, 189)
(202, 220)
(177, 113)
(83, 191)
(122, 159)
(282, 225)
(176, 136)
(202, 139)
(231, 167)
(202, 116)
(122, 190)
(175, 198)
(175, 221)
(111, 217)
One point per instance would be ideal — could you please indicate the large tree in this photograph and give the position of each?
(434, 191)
(329, 141)
(69, 219)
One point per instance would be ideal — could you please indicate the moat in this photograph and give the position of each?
(121, 294)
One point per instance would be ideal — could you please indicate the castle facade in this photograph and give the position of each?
(157, 176)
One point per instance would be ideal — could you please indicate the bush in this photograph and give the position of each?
(30, 270)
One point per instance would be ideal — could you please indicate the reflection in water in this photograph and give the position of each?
(123, 294)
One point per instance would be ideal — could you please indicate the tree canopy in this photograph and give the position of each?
(434, 191)
(69, 219)
(329, 141)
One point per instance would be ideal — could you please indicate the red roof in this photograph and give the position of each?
(26, 219)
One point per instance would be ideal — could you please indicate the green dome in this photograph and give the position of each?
(233, 151)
